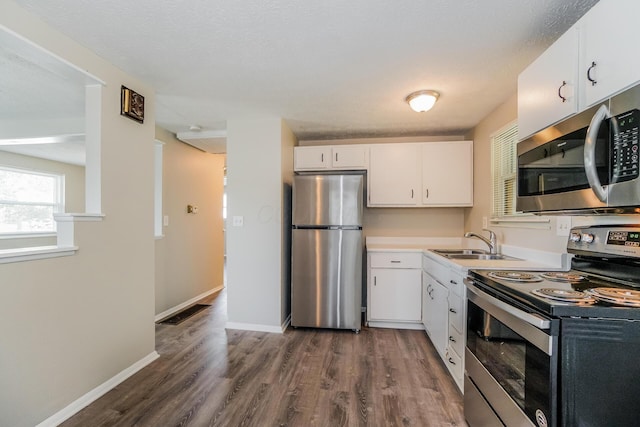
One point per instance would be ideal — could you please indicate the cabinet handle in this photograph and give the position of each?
(427, 193)
(451, 339)
(451, 361)
(322, 157)
(412, 193)
(453, 311)
(393, 261)
(374, 281)
(564, 83)
(453, 282)
(336, 157)
(593, 81)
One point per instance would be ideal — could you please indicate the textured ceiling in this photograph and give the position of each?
(331, 69)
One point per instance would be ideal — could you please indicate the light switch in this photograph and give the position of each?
(238, 221)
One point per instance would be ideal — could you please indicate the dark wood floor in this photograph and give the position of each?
(209, 376)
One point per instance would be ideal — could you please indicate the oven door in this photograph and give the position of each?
(510, 364)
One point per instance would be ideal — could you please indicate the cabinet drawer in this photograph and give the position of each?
(396, 260)
(455, 283)
(456, 340)
(456, 312)
(454, 363)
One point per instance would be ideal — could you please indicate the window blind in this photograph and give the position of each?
(503, 170)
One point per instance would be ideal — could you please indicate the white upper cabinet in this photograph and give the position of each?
(596, 58)
(312, 158)
(547, 89)
(394, 175)
(339, 157)
(447, 173)
(611, 60)
(349, 157)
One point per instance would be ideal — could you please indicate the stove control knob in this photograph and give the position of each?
(575, 237)
(587, 238)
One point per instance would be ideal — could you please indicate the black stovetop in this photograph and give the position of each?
(521, 292)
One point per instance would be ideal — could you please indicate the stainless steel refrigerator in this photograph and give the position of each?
(326, 252)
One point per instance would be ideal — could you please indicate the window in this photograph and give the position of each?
(503, 170)
(28, 200)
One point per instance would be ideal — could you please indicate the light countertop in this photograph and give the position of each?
(527, 259)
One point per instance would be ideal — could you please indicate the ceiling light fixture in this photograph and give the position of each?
(422, 100)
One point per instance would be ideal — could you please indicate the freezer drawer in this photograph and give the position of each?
(326, 278)
(327, 200)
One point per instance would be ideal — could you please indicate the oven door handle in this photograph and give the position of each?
(529, 326)
(532, 319)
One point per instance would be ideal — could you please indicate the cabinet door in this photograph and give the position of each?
(395, 295)
(547, 89)
(312, 158)
(611, 34)
(435, 313)
(447, 173)
(394, 174)
(349, 157)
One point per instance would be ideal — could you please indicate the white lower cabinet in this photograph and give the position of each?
(394, 290)
(434, 312)
(446, 313)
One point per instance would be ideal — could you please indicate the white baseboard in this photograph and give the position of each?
(173, 310)
(254, 327)
(84, 401)
(396, 325)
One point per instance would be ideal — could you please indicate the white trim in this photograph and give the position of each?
(93, 395)
(35, 252)
(396, 325)
(168, 313)
(254, 327)
(78, 217)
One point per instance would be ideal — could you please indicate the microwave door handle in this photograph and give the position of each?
(590, 152)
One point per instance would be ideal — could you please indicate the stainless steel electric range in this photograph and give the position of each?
(558, 348)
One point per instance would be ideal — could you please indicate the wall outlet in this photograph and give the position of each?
(165, 220)
(563, 225)
(485, 222)
(238, 221)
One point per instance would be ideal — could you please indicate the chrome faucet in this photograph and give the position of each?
(491, 241)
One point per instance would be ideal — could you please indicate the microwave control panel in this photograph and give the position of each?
(624, 155)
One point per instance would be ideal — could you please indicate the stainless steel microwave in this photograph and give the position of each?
(587, 164)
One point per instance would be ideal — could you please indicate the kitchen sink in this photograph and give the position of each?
(449, 252)
(484, 256)
(472, 254)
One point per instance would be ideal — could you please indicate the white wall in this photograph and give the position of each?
(189, 258)
(69, 324)
(259, 170)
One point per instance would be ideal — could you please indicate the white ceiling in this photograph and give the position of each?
(331, 69)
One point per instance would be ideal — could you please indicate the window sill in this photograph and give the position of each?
(33, 253)
(65, 246)
(522, 221)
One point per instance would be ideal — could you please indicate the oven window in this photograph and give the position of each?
(521, 369)
(558, 166)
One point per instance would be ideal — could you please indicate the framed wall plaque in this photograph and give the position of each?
(131, 104)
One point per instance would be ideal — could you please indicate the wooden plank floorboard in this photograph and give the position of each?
(209, 376)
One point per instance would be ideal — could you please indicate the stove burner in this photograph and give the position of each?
(515, 276)
(618, 296)
(565, 295)
(558, 276)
